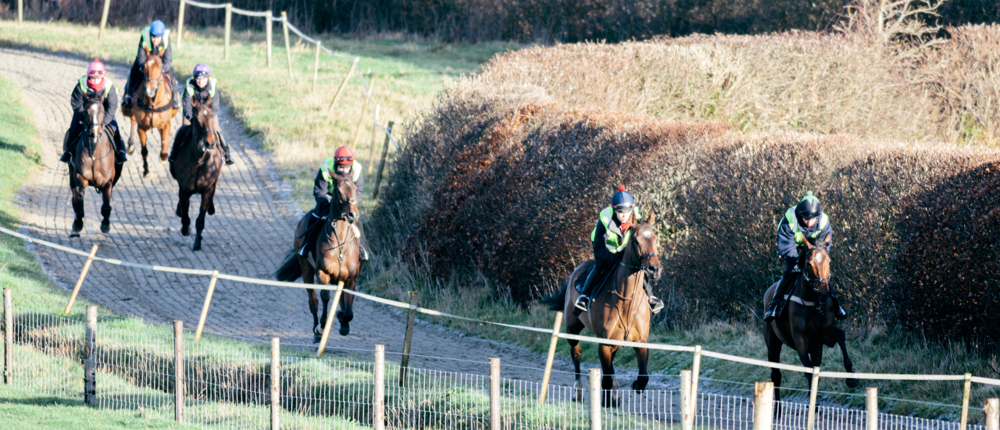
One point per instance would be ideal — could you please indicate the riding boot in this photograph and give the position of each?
(778, 298)
(583, 302)
(176, 96)
(127, 97)
(362, 243)
(841, 314)
(311, 234)
(120, 156)
(225, 149)
(655, 304)
(66, 156)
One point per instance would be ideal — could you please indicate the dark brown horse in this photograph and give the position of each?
(154, 108)
(808, 321)
(93, 164)
(197, 167)
(337, 257)
(618, 311)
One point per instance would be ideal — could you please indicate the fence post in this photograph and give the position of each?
(180, 24)
(381, 164)
(871, 403)
(79, 281)
(20, 12)
(371, 148)
(288, 47)
(275, 382)
(204, 308)
(343, 84)
(8, 337)
(329, 319)
(90, 356)
(695, 371)
(229, 27)
(378, 403)
(686, 400)
(992, 414)
(410, 319)
(763, 405)
(364, 112)
(552, 355)
(495, 394)
(814, 386)
(268, 23)
(316, 66)
(104, 18)
(179, 371)
(963, 425)
(594, 377)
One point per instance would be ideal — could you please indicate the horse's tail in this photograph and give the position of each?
(290, 270)
(558, 300)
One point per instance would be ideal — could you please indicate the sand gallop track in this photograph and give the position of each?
(248, 236)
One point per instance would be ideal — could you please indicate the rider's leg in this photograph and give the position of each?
(841, 313)
(173, 90)
(116, 139)
(222, 142)
(75, 127)
(583, 302)
(180, 138)
(787, 279)
(315, 226)
(134, 77)
(362, 243)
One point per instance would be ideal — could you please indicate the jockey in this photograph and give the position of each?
(202, 86)
(609, 238)
(156, 39)
(802, 222)
(341, 164)
(94, 84)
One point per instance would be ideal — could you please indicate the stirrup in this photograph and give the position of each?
(655, 305)
(841, 313)
(582, 305)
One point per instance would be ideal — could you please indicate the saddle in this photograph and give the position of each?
(312, 232)
(73, 141)
(601, 279)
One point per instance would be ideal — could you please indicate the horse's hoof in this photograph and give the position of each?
(185, 231)
(196, 247)
(145, 173)
(163, 158)
(74, 234)
(344, 331)
(638, 387)
(77, 227)
(317, 337)
(852, 383)
(105, 227)
(131, 150)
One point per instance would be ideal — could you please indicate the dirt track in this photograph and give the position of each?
(248, 235)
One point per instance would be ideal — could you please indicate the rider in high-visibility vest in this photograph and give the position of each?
(156, 39)
(802, 222)
(609, 238)
(92, 85)
(341, 164)
(201, 87)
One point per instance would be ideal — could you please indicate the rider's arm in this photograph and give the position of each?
(76, 100)
(216, 104)
(601, 252)
(360, 184)
(786, 241)
(821, 239)
(168, 59)
(320, 187)
(110, 106)
(140, 57)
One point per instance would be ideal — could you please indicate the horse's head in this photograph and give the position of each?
(647, 245)
(345, 203)
(95, 118)
(204, 124)
(153, 71)
(816, 273)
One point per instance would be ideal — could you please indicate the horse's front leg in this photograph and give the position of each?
(106, 207)
(802, 348)
(133, 126)
(607, 356)
(841, 339)
(641, 357)
(346, 311)
(774, 356)
(206, 203)
(78, 192)
(183, 205)
(314, 308)
(325, 296)
(144, 152)
(164, 140)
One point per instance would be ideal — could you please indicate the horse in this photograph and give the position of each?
(197, 167)
(337, 256)
(804, 326)
(154, 108)
(93, 164)
(618, 311)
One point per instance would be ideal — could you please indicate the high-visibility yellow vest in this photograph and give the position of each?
(614, 239)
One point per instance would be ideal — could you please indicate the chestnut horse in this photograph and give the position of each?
(336, 258)
(618, 311)
(93, 164)
(808, 320)
(154, 108)
(197, 167)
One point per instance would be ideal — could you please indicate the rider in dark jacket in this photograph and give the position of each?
(93, 85)
(342, 164)
(156, 39)
(802, 222)
(201, 87)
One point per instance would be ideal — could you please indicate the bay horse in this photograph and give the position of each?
(337, 256)
(197, 167)
(808, 321)
(618, 311)
(93, 164)
(154, 108)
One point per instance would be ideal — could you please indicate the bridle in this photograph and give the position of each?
(204, 138)
(159, 81)
(644, 257)
(815, 283)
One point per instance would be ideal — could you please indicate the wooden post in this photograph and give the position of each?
(552, 355)
(992, 408)
(343, 84)
(229, 28)
(104, 18)
(686, 400)
(204, 308)
(20, 12)
(381, 164)
(594, 376)
(378, 403)
(180, 24)
(695, 371)
(8, 337)
(179, 371)
(268, 24)
(79, 281)
(495, 394)
(813, 388)
(964, 424)
(410, 319)
(329, 319)
(316, 66)
(275, 382)
(371, 148)
(871, 404)
(763, 405)
(288, 47)
(364, 112)
(90, 357)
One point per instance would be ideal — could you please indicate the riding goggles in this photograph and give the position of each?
(344, 160)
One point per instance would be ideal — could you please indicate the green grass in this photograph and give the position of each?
(18, 408)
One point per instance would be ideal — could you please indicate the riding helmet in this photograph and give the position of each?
(201, 70)
(157, 28)
(344, 155)
(809, 207)
(95, 69)
(622, 201)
